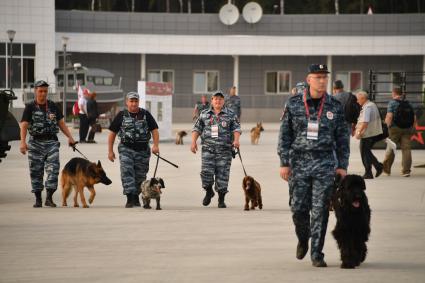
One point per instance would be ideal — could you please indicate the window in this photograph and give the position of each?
(107, 81)
(161, 76)
(159, 112)
(278, 82)
(98, 80)
(352, 80)
(22, 67)
(205, 81)
(148, 105)
(71, 80)
(80, 79)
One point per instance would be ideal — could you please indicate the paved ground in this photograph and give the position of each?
(186, 242)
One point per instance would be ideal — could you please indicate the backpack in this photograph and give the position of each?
(75, 109)
(404, 116)
(352, 109)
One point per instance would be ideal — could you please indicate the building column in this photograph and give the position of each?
(329, 63)
(236, 73)
(143, 67)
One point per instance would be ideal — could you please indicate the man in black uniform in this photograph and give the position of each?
(42, 118)
(134, 126)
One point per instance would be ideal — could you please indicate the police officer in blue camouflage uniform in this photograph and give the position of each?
(233, 102)
(43, 119)
(135, 126)
(313, 127)
(219, 129)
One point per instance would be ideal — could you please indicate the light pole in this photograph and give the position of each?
(64, 43)
(11, 35)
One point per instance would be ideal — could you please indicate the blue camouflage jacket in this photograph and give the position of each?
(332, 130)
(227, 124)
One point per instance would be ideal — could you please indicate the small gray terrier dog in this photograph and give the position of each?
(151, 189)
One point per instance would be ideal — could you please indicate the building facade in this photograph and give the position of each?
(199, 55)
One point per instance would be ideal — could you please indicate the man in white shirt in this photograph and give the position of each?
(368, 131)
(84, 121)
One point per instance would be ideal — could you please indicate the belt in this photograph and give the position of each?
(45, 138)
(136, 146)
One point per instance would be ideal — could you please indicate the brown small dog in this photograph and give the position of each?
(80, 173)
(252, 190)
(256, 132)
(179, 137)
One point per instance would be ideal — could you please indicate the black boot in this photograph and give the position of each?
(38, 200)
(221, 203)
(136, 200)
(302, 249)
(49, 200)
(209, 194)
(130, 201)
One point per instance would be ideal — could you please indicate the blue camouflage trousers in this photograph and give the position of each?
(43, 156)
(215, 169)
(134, 165)
(310, 191)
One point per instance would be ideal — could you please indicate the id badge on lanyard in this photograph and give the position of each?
(214, 128)
(313, 126)
(312, 130)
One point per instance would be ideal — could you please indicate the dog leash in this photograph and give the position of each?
(169, 162)
(240, 157)
(156, 166)
(74, 148)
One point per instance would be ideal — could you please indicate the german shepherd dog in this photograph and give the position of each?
(256, 132)
(80, 173)
(352, 213)
(152, 189)
(252, 190)
(179, 137)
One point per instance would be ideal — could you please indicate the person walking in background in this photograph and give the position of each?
(92, 115)
(200, 106)
(349, 105)
(368, 131)
(233, 102)
(401, 120)
(84, 123)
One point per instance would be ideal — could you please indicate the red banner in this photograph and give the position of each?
(153, 88)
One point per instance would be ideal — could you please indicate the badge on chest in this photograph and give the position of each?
(214, 131)
(312, 130)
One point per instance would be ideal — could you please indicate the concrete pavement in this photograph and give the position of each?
(186, 242)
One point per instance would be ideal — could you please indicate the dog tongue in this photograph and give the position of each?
(356, 204)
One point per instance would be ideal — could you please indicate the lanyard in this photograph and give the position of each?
(212, 119)
(307, 111)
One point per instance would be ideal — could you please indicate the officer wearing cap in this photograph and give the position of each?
(216, 126)
(313, 127)
(134, 126)
(43, 119)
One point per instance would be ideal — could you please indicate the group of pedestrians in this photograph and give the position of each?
(313, 146)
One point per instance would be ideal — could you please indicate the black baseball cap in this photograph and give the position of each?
(318, 68)
(218, 93)
(338, 84)
(40, 83)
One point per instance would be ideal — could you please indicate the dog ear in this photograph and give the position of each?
(92, 172)
(99, 164)
(162, 183)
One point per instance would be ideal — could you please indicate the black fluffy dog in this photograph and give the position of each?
(352, 213)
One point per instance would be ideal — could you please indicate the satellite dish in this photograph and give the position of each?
(229, 14)
(252, 12)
